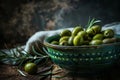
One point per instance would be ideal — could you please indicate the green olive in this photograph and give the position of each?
(90, 32)
(64, 38)
(70, 40)
(98, 36)
(65, 33)
(93, 35)
(96, 42)
(76, 30)
(31, 68)
(63, 43)
(78, 40)
(96, 28)
(55, 42)
(109, 33)
(109, 40)
(83, 34)
(89, 38)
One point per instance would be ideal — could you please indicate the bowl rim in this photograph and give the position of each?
(47, 44)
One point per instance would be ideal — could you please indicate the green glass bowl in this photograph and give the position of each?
(82, 59)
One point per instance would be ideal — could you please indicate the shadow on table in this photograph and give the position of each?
(112, 73)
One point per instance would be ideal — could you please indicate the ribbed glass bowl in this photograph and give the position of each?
(82, 59)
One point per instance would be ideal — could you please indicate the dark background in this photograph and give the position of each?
(20, 19)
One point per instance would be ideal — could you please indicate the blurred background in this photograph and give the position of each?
(20, 19)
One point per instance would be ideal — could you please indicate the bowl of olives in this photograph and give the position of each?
(83, 50)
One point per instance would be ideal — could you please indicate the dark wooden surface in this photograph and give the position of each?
(8, 72)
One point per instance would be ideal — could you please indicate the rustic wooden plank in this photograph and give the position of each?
(8, 72)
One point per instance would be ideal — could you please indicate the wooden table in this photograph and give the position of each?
(8, 72)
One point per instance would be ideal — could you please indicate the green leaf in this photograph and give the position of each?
(59, 77)
(46, 73)
(91, 22)
(33, 48)
(38, 60)
(21, 72)
(46, 69)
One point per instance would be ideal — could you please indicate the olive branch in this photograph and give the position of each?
(91, 22)
(19, 57)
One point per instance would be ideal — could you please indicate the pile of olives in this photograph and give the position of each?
(80, 36)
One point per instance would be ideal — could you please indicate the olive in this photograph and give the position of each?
(83, 34)
(70, 40)
(31, 68)
(96, 28)
(93, 35)
(64, 38)
(98, 36)
(96, 42)
(109, 33)
(63, 43)
(78, 40)
(65, 33)
(90, 32)
(76, 30)
(89, 38)
(55, 42)
(109, 40)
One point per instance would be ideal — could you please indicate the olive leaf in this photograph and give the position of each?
(21, 72)
(91, 22)
(18, 56)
